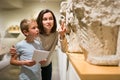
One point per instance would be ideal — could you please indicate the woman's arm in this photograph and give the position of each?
(63, 40)
(64, 44)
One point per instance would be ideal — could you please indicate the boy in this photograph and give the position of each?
(25, 50)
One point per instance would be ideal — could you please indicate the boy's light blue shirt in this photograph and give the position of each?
(25, 51)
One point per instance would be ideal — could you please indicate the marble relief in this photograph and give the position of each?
(93, 28)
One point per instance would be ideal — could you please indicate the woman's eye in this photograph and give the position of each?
(44, 19)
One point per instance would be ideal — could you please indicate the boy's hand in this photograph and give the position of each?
(43, 61)
(29, 62)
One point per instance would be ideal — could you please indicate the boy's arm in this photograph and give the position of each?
(17, 62)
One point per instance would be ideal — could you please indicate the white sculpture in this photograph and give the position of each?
(94, 27)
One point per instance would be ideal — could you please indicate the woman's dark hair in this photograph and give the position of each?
(40, 18)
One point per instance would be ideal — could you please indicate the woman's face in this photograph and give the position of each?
(48, 21)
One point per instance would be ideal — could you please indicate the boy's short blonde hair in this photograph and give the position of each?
(25, 23)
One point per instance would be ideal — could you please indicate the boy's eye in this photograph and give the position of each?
(34, 27)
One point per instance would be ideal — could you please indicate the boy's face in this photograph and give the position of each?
(33, 30)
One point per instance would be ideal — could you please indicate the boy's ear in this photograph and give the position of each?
(25, 32)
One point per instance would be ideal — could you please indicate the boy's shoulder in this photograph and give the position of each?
(21, 43)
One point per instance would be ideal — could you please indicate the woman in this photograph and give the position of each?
(49, 37)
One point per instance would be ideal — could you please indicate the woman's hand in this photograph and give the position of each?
(12, 50)
(62, 30)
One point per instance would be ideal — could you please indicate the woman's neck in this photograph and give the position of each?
(47, 32)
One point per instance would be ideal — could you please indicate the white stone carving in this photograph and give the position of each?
(93, 25)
